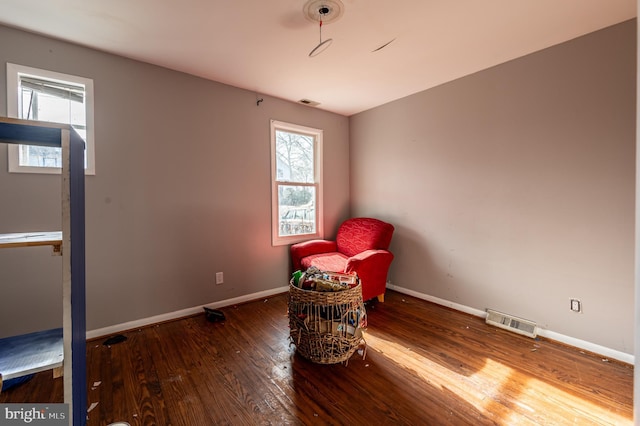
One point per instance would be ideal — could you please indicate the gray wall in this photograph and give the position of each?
(513, 188)
(182, 191)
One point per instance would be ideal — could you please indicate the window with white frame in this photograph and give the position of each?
(35, 94)
(296, 183)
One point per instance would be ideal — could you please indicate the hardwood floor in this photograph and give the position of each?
(424, 364)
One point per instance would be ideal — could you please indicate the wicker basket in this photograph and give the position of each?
(326, 327)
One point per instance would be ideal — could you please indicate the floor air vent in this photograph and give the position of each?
(511, 323)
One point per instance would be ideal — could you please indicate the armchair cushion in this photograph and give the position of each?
(332, 261)
(308, 248)
(361, 246)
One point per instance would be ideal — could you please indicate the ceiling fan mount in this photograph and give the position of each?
(326, 11)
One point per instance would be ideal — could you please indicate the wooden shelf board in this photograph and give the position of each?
(30, 353)
(28, 239)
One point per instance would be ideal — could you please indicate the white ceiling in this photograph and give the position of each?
(263, 45)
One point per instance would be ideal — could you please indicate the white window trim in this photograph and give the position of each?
(277, 240)
(13, 105)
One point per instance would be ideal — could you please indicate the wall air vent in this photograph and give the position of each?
(511, 323)
(309, 102)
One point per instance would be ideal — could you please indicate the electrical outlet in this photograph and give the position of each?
(219, 277)
(576, 305)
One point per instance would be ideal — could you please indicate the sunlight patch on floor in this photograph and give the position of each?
(493, 388)
(431, 372)
(569, 407)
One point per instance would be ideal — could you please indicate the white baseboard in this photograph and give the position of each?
(567, 340)
(605, 352)
(131, 325)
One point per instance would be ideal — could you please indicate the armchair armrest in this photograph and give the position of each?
(369, 258)
(307, 248)
(372, 267)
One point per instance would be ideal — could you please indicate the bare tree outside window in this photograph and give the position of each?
(295, 156)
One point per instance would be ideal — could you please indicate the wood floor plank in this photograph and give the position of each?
(424, 364)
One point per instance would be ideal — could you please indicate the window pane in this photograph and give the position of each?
(294, 157)
(56, 107)
(296, 210)
(40, 156)
(296, 186)
(37, 94)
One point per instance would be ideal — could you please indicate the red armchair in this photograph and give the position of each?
(361, 246)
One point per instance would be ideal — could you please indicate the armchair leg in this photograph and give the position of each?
(381, 298)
